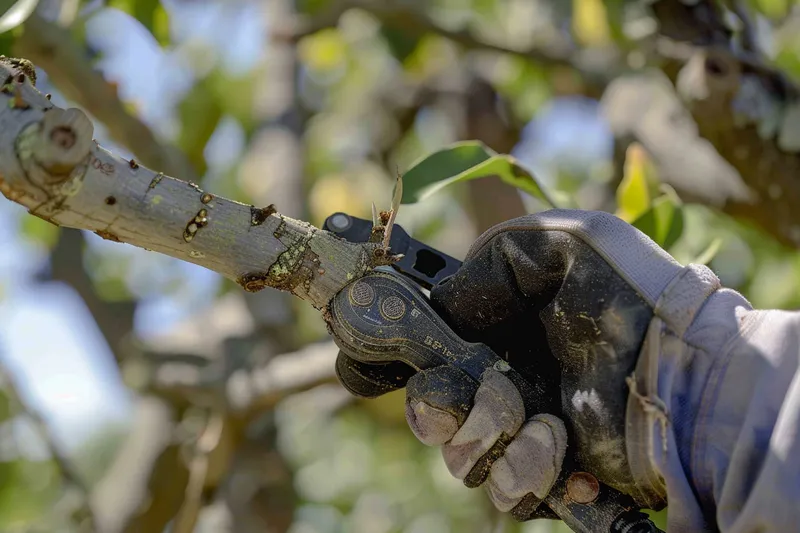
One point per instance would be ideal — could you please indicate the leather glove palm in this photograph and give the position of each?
(566, 298)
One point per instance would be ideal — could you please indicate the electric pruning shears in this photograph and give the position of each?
(384, 317)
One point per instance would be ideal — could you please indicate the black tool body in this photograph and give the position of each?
(423, 264)
(384, 317)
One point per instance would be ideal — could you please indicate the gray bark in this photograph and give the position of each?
(50, 164)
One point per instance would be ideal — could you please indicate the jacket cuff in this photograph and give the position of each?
(653, 441)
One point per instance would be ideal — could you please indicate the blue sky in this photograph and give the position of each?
(48, 337)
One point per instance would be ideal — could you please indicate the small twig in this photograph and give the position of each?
(376, 221)
(396, 199)
(186, 520)
(68, 472)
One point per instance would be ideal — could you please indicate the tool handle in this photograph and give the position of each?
(382, 318)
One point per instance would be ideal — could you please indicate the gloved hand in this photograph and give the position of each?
(566, 297)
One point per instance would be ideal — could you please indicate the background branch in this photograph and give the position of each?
(413, 22)
(747, 110)
(114, 318)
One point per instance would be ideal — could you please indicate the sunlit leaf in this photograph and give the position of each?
(788, 58)
(633, 193)
(160, 29)
(773, 9)
(334, 193)
(466, 161)
(15, 13)
(590, 22)
(707, 255)
(485, 9)
(324, 51)
(663, 222)
(659, 518)
(39, 231)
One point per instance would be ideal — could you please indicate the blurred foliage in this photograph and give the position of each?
(39, 232)
(150, 13)
(29, 485)
(372, 96)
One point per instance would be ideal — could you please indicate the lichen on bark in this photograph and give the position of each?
(50, 164)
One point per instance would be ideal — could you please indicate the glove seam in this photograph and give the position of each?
(647, 405)
(640, 419)
(701, 475)
(675, 308)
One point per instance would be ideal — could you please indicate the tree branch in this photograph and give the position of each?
(491, 200)
(202, 361)
(50, 46)
(114, 319)
(144, 487)
(208, 443)
(747, 110)
(50, 164)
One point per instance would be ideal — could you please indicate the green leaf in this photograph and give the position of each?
(772, 9)
(633, 193)
(39, 231)
(236, 94)
(526, 85)
(200, 112)
(312, 7)
(6, 43)
(659, 518)
(15, 13)
(27, 490)
(401, 44)
(150, 13)
(6, 407)
(663, 222)
(707, 255)
(466, 161)
(590, 23)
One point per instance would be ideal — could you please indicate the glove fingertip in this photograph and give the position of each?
(445, 388)
(430, 425)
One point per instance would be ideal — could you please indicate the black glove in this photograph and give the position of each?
(566, 298)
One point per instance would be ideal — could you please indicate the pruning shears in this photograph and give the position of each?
(384, 317)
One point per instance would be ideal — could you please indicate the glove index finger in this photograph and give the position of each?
(438, 402)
